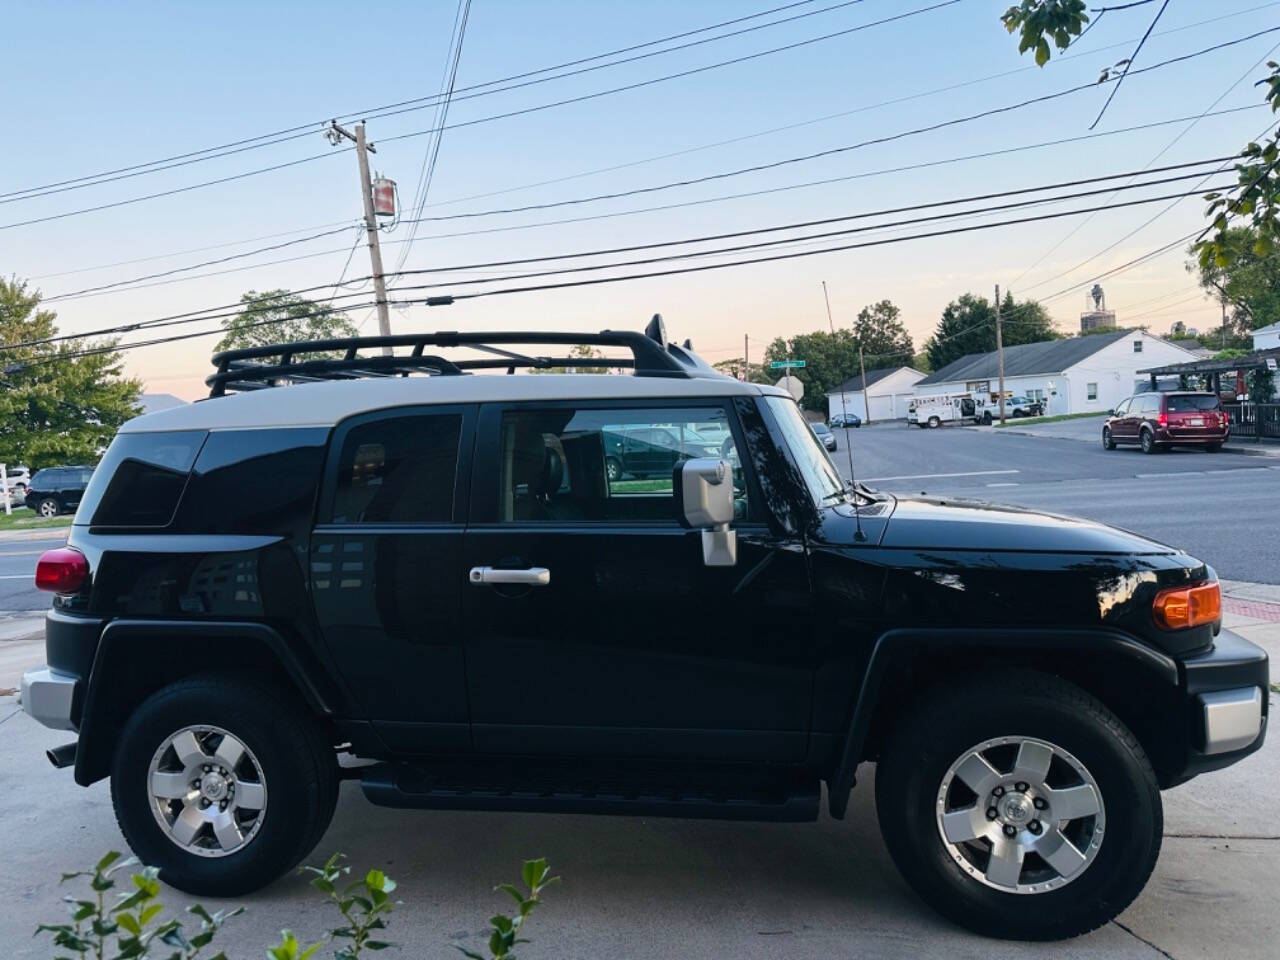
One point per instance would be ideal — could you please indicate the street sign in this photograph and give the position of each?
(1271, 363)
(792, 386)
(784, 364)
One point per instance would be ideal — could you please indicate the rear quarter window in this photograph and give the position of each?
(140, 480)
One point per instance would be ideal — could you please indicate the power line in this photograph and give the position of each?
(832, 116)
(688, 203)
(421, 103)
(756, 168)
(488, 119)
(307, 129)
(207, 263)
(1129, 63)
(442, 113)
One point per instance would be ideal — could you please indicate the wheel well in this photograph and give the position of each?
(139, 666)
(1144, 701)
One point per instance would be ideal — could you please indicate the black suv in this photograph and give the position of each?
(56, 490)
(438, 574)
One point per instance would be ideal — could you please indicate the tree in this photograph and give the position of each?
(278, 316)
(830, 359)
(732, 367)
(968, 325)
(580, 351)
(882, 337)
(1242, 279)
(55, 406)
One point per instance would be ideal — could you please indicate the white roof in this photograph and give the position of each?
(1269, 328)
(324, 404)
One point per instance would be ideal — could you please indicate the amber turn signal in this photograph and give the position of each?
(1182, 607)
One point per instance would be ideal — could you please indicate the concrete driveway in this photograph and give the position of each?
(655, 888)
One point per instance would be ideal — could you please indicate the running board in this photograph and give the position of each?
(568, 787)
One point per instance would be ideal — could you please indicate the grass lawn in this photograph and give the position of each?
(1029, 421)
(24, 518)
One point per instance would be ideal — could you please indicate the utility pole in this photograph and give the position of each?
(746, 359)
(1000, 352)
(336, 134)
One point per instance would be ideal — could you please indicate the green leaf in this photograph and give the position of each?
(148, 913)
(1042, 52)
(111, 857)
(130, 923)
(513, 890)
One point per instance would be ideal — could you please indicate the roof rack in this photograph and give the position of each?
(256, 368)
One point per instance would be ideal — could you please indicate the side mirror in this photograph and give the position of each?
(704, 500)
(1111, 412)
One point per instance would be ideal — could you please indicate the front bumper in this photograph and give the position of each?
(48, 695)
(1227, 704)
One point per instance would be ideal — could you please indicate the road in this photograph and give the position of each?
(1213, 505)
(17, 572)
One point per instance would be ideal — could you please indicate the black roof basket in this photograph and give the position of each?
(254, 368)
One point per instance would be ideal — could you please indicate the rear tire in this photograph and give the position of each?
(921, 770)
(269, 807)
(1147, 441)
(613, 469)
(49, 508)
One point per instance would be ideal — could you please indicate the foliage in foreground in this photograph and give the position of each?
(131, 924)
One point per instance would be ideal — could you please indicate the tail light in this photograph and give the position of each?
(1226, 417)
(62, 570)
(1182, 607)
(1163, 419)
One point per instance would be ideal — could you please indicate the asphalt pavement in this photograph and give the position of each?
(18, 569)
(1223, 508)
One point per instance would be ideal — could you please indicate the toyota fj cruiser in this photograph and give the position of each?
(440, 574)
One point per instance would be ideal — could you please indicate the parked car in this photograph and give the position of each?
(648, 451)
(19, 479)
(434, 575)
(1021, 407)
(1158, 421)
(823, 433)
(56, 490)
(845, 420)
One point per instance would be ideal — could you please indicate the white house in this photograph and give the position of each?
(1077, 375)
(888, 392)
(1267, 338)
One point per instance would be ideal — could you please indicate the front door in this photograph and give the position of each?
(384, 571)
(592, 624)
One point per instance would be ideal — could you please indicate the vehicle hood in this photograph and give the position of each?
(959, 524)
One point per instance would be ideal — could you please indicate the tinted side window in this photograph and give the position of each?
(606, 465)
(1186, 404)
(254, 482)
(140, 480)
(398, 470)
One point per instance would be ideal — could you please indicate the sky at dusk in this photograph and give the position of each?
(103, 86)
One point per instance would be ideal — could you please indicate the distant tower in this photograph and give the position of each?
(1099, 318)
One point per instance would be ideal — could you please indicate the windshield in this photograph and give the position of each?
(820, 428)
(819, 473)
(1185, 402)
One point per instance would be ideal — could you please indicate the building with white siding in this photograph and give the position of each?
(1076, 375)
(888, 393)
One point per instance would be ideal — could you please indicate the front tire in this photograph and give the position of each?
(1023, 745)
(223, 785)
(934, 423)
(1108, 442)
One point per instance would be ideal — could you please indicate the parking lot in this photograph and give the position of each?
(671, 888)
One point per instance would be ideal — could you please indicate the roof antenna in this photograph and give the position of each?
(858, 535)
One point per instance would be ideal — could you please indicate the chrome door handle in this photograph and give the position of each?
(529, 577)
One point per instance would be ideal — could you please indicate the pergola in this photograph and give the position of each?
(1214, 369)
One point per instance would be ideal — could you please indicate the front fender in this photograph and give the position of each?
(896, 643)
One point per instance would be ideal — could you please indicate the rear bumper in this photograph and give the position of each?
(1227, 706)
(1192, 437)
(48, 696)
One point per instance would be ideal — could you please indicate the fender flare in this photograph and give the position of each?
(98, 734)
(893, 643)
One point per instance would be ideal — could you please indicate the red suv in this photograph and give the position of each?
(1155, 421)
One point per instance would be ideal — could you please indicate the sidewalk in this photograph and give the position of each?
(37, 533)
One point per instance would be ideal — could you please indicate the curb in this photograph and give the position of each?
(1244, 448)
(41, 533)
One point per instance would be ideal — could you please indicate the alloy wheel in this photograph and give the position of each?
(207, 791)
(1021, 815)
(48, 509)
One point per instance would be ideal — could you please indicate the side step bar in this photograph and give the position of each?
(448, 786)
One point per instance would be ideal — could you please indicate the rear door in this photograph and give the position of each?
(593, 626)
(386, 570)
